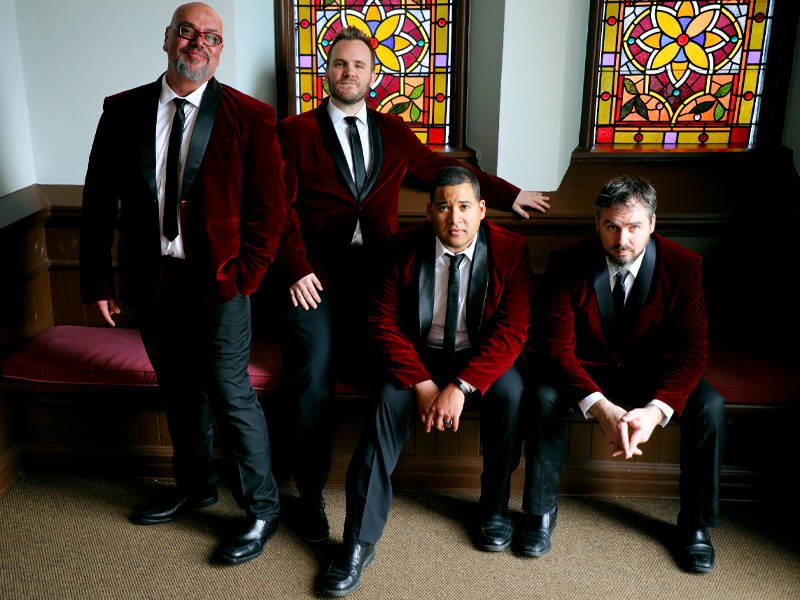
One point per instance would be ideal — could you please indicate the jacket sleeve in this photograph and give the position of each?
(508, 325)
(99, 214)
(399, 353)
(292, 251)
(263, 202)
(554, 331)
(686, 352)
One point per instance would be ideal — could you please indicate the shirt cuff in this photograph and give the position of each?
(587, 403)
(666, 409)
(470, 387)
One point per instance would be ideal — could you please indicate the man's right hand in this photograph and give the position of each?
(609, 415)
(106, 308)
(426, 392)
(305, 292)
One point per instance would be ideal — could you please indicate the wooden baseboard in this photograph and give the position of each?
(415, 473)
(10, 468)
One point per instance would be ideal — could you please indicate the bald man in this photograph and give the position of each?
(196, 168)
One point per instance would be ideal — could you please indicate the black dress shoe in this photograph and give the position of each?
(176, 504)
(311, 521)
(344, 573)
(495, 533)
(695, 550)
(249, 543)
(536, 533)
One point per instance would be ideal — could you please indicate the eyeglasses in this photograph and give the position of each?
(188, 33)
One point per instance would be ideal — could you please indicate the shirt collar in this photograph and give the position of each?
(632, 268)
(167, 95)
(337, 115)
(469, 251)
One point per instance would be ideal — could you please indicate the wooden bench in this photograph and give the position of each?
(84, 398)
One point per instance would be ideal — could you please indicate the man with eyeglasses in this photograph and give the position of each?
(196, 171)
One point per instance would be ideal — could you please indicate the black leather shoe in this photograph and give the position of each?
(344, 573)
(249, 543)
(495, 533)
(695, 550)
(536, 533)
(174, 505)
(311, 521)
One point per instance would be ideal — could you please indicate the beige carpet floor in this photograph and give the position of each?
(69, 537)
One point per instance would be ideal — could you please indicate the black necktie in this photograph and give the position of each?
(451, 317)
(358, 153)
(172, 188)
(618, 295)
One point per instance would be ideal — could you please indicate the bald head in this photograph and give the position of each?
(191, 62)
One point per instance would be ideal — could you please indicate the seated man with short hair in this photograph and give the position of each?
(623, 322)
(451, 317)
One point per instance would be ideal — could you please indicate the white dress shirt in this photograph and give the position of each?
(166, 112)
(633, 272)
(441, 279)
(342, 129)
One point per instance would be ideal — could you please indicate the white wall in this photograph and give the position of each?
(485, 71)
(255, 49)
(541, 90)
(791, 128)
(74, 54)
(16, 150)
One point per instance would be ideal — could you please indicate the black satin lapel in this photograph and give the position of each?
(602, 291)
(148, 149)
(641, 286)
(200, 134)
(478, 286)
(376, 146)
(334, 148)
(426, 289)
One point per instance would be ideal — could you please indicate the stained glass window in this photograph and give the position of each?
(413, 43)
(681, 73)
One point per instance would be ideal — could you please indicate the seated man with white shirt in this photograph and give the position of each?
(622, 322)
(450, 318)
(344, 165)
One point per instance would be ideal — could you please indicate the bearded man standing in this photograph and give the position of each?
(193, 168)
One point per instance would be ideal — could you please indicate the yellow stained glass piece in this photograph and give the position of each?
(700, 23)
(668, 24)
(696, 55)
(665, 56)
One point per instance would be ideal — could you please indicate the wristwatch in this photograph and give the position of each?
(462, 386)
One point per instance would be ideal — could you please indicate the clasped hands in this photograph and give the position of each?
(438, 407)
(625, 430)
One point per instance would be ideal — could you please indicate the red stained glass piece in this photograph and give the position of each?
(441, 22)
(638, 138)
(304, 23)
(440, 97)
(612, 20)
(703, 138)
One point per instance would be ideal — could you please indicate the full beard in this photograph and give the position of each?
(354, 98)
(619, 263)
(189, 70)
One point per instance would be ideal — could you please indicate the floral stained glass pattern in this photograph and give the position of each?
(412, 40)
(678, 74)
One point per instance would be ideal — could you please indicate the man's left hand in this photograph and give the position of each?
(643, 421)
(446, 408)
(534, 200)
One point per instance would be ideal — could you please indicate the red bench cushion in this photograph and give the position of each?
(106, 356)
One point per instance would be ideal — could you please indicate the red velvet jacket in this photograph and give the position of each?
(232, 210)
(664, 336)
(323, 209)
(498, 304)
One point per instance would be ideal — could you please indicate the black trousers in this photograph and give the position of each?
(319, 346)
(200, 353)
(702, 442)
(369, 488)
